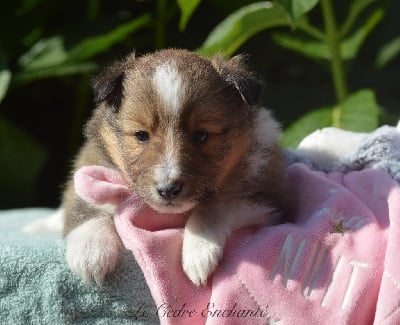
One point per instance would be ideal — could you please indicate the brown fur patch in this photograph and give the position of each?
(217, 96)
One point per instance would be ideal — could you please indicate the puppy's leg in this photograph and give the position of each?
(93, 245)
(207, 230)
(203, 245)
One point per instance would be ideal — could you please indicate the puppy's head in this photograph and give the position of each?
(175, 124)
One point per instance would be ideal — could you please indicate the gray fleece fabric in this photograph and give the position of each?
(36, 286)
(378, 150)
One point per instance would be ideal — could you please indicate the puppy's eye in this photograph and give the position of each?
(142, 136)
(200, 136)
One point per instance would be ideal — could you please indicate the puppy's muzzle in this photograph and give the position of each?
(169, 191)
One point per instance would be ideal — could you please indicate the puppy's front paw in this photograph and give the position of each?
(200, 257)
(93, 249)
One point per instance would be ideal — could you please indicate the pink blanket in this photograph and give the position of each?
(337, 263)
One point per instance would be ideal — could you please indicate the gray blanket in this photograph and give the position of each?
(36, 286)
(377, 150)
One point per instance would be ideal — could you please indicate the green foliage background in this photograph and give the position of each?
(325, 63)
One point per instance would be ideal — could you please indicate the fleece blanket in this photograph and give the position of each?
(337, 263)
(36, 286)
(332, 149)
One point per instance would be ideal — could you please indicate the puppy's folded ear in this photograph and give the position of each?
(237, 73)
(107, 85)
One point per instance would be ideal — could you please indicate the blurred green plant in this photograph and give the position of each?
(330, 42)
(65, 41)
(47, 56)
(187, 8)
(388, 52)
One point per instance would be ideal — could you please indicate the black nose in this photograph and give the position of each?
(169, 191)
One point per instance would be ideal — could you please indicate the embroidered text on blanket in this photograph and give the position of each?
(291, 252)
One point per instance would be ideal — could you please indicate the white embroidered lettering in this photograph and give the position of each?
(313, 273)
(350, 288)
(307, 267)
(355, 222)
(323, 212)
(328, 292)
(286, 260)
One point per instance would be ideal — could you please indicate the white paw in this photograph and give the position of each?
(93, 249)
(200, 257)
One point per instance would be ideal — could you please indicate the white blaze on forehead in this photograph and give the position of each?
(169, 86)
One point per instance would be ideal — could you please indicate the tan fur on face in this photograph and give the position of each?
(161, 100)
(170, 96)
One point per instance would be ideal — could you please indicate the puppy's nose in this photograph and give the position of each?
(169, 191)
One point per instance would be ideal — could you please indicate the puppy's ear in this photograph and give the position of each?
(107, 85)
(237, 72)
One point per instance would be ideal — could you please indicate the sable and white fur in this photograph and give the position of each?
(188, 136)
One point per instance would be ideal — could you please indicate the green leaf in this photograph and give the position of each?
(49, 58)
(388, 52)
(5, 75)
(308, 123)
(5, 78)
(359, 112)
(63, 69)
(356, 7)
(187, 8)
(310, 49)
(22, 158)
(352, 44)
(304, 25)
(320, 50)
(99, 44)
(297, 8)
(45, 53)
(242, 24)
